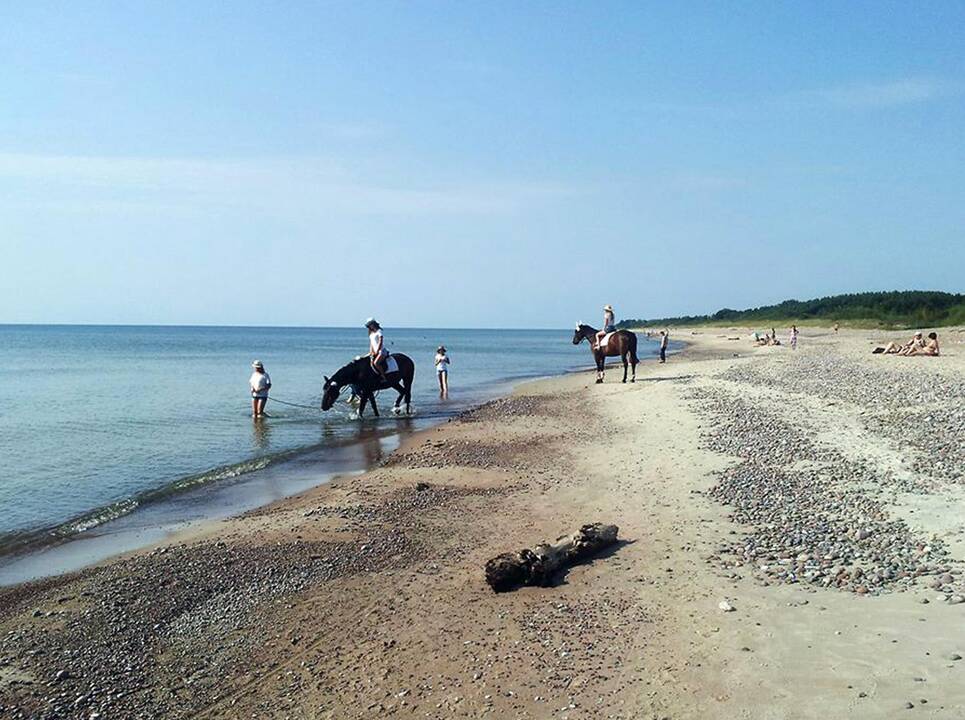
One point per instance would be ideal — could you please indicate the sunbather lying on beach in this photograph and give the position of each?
(894, 348)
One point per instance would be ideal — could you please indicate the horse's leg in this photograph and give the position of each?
(375, 408)
(600, 367)
(624, 356)
(363, 399)
(401, 390)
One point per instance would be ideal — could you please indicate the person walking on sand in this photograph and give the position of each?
(794, 337)
(442, 371)
(260, 384)
(664, 336)
(609, 325)
(378, 357)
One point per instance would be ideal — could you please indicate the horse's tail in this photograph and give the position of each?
(633, 348)
(408, 377)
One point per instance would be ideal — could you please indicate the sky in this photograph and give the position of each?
(473, 164)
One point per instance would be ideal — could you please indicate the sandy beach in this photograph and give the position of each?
(792, 528)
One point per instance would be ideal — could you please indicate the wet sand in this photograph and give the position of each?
(817, 493)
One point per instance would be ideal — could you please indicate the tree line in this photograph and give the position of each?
(905, 308)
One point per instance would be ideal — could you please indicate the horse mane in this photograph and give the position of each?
(348, 372)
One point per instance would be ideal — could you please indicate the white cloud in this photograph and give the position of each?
(272, 185)
(879, 95)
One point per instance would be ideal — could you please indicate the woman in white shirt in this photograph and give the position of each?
(378, 357)
(608, 324)
(442, 370)
(260, 384)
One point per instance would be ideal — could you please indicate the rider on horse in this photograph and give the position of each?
(378, 357)
(609, 325)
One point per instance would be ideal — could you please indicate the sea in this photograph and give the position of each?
(114, 437)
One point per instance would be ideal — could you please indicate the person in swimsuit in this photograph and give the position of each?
(442, 371)
(930, 347)
(378, 357)
(794, 335)
(609, 325)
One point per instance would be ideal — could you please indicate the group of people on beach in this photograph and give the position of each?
(379, 356)
(916, 346)
(770, 338)
(260, 382)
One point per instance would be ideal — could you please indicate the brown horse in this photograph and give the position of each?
(622, 344)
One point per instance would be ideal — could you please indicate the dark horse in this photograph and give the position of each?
(364, 380)
(623, 344)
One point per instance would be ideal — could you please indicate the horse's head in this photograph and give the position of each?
(579, 334)
(330, 393)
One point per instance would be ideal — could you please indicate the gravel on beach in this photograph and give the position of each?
(812, 515)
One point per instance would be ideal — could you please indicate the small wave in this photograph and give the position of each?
(19, 541)
(16, 541)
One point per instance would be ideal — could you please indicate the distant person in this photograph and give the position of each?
(836, 328)
(442, 370)
(664, 336)
(794, 334)
(378, 357)
(260, 384)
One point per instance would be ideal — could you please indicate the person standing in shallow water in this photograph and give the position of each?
(260, 384)
(442, 371)
(664, 336)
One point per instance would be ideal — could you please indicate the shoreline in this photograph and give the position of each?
(159, 515)
(365, 597)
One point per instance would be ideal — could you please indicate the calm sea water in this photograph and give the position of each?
(100, 422)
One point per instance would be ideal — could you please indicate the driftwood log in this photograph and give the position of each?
(536, 566)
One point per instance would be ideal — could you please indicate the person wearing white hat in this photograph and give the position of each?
(260, 384)
(609, 325)
(378, 357)
(442, 371)
(914, 345)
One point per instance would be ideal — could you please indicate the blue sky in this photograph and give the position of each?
(473, 164)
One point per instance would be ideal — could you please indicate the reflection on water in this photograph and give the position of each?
(261, 434)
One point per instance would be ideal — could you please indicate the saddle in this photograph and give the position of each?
(606, 339)
(391, 366)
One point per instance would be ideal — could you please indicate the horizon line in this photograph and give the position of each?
(260, 327)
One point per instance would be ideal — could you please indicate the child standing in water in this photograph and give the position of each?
(260, 384)
(442, 370)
